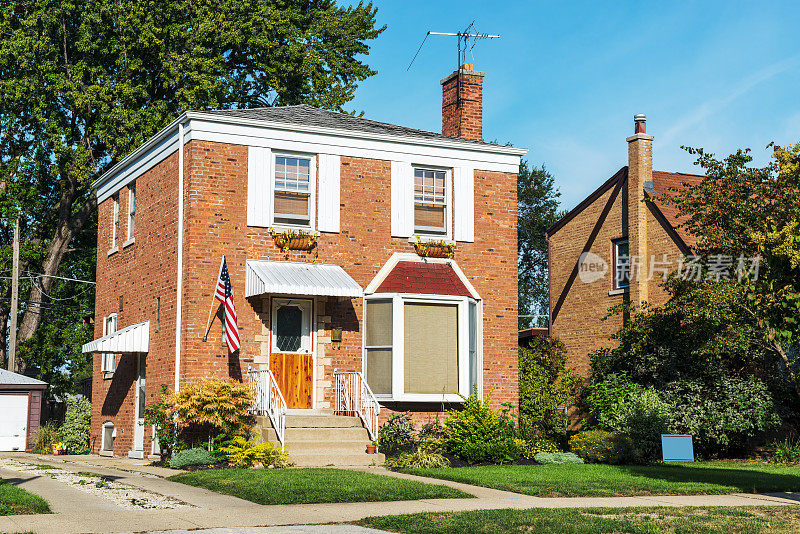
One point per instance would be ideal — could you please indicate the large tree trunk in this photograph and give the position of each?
(68, 226)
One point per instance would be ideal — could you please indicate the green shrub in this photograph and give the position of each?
(209, 407)
(196, 456)
(787, 451)
(724, 414)
(472, 426)
(538, 445)
(546, 384)
(606, 397)
(75, 431)
(557, 458)
(396, 435)
(600, 446)
(244, 453)
(501, 451)
(158, 414)
(644, 417)
(425, 456)
(46, 437)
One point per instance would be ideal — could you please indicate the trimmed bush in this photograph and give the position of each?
(209, 407)
(557, 458)
(74, 432)
(602, 447)
(196, 456)
(243, 453)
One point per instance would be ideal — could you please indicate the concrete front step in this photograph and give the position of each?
(325, 459)
(318, 434)
(325, 447)
(322, 421)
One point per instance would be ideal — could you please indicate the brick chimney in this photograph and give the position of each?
(463, 116)
(640, 175)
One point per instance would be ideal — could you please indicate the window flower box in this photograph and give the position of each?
(434, 249)
(294, 240)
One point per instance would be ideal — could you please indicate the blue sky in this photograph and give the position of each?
(566, 78)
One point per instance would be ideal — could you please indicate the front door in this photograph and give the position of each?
(138, 424)
(291, 359)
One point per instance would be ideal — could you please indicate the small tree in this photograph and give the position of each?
(75, 430)
(546, 386)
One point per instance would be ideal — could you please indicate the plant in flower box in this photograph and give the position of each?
(433, 248)
(294, 239)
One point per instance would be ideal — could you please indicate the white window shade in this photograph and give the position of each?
(430, 349)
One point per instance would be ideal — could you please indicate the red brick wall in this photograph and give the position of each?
(216, 224)
(580, 322)
(141, 272)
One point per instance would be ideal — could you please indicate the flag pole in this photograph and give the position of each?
(213, 299)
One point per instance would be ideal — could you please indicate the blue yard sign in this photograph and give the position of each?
(677, 448)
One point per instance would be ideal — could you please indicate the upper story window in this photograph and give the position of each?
(115, 224)
(430, 201)
(622, 264)
(109, 360)
(131, 210)
(292, 190)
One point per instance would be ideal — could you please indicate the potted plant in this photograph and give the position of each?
(434, 248)
(294, 239)
(58, 448)
(371, 447)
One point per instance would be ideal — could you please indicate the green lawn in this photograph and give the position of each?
(15, 501)
(594, 480)
(749, 520)
(312, 485)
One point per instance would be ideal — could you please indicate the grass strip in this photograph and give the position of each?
(695, 520)
(595, 480)
(313, 485)
(17, 501)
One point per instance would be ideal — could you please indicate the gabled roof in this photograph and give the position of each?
(423, 278)
(663, 182)
(7, 378)
(305, 115)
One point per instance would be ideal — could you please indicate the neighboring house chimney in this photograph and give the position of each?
(640, 175)
(462, 104)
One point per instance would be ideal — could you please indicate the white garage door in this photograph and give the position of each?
(13, 422)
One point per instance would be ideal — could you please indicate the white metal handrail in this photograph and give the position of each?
(268, 400)
(353, 396)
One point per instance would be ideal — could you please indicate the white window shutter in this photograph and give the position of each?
(329, 177)
(464, 208)
(259, 186)
(402, 199)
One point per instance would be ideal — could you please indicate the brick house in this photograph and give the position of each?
(613, 248)
(312, 323)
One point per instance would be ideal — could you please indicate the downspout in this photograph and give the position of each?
(179, 296)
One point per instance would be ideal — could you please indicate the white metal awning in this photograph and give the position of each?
(289, 278)
(133, 338)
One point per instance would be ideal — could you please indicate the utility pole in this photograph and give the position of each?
(12, 337)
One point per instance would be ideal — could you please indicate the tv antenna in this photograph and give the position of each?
(463, 45)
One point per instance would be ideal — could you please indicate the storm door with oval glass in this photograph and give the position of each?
(291, 359)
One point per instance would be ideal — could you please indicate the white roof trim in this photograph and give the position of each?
(290, 278)
(133, 338)
(397, 257)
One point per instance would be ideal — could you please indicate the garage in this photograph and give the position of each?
(20, 410)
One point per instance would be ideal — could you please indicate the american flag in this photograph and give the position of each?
(224, 294)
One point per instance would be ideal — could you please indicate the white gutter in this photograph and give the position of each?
(179, 296)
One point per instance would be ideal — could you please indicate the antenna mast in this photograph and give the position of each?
(462, 40)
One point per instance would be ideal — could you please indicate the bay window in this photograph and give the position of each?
(421, 348)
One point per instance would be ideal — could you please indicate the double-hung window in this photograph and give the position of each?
(109, 363)
(292, 197)
(430, 201)
(421, 348)
(115, 224)
(622, 264)
(131, 210)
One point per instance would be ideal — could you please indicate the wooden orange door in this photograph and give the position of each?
(291, 359)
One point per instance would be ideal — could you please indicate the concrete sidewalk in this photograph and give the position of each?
(218, 511)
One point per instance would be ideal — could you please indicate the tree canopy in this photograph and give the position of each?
(84, 83)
